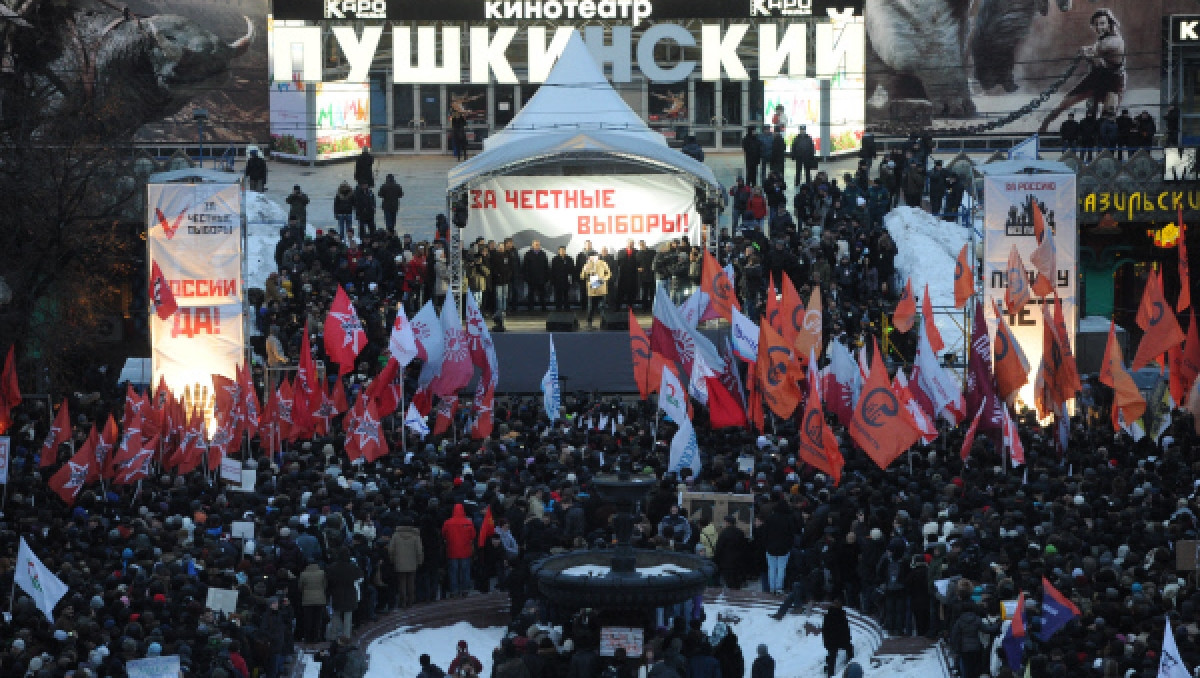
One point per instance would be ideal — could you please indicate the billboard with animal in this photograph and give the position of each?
(142, 67)
(1011, 66)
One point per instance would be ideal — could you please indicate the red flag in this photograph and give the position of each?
(724, 410)
(1017, 294)
(483, 407)
(754, 406)
(964, 279)
(305, 390)
(344, 335)
(906, 309)
(1185, 277)
(160, 293)
(250, 405)
(365, 438)
(479, 343)
(445, 415)
(386, 389)
(193, 445)
(136, 465)
(422, 399)
(269, 431)
(89, 449)
(488, 528)
(773, 313)
(106, 449)
(1127, 399)
(969, 439)
(817, 445)
(916, 415)
(224, 440)
(1009, 363)
(285, 411)
(1070, 383)
(59, 433)
(931, 329)
(879, 427)
(715, 282)
(791, 320)
(457, 368)
(774, 371)
(1189, 363)
(639, 348)
(1158, 321)
(71, 478)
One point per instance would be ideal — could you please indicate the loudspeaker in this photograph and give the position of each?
(562, 321)
(615, 320)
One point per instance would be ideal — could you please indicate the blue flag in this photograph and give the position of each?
(1014, 637)
(1057, 611)
(551, 386)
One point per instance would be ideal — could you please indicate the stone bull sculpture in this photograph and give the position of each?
(919, 49)
(121, 71)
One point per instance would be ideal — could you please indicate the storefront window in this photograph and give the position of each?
(430, 106)
(706, 103)
(731, 102)
(403, 106)
(505, 105)
(470, 101)
(757, 97)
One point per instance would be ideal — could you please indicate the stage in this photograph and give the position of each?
(588, 360)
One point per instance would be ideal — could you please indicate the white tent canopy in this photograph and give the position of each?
(576, 114)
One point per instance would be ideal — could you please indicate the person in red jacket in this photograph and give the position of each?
(465, 664)
(459, 533)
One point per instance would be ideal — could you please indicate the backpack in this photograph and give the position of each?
(892, 582)
(355, 664)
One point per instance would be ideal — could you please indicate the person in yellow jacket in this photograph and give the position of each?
(595, 276)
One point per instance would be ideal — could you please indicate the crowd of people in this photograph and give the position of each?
(932, 546)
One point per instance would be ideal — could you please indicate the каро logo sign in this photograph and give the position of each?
(355, 9)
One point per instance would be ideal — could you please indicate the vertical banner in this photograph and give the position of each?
(5, 447)
(567, 211)
(195, 237)
(1008, 221)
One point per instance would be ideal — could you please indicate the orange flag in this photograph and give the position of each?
(1017, 294)
(1058, 360)
(906, 310)
(1039, 221)
(791, 311)
(1157, 320)
(716, 284)
(639, 346)
(1185, 277)
(879, 427)
(1126, 397)
(809, 341)
(1189, 366)
(1009, 363)
(817, 445)
(774, 368)
(654, 372)
(931, 330)
(964, 279)
(773, 314)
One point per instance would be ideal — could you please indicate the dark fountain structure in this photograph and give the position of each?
(624, 585)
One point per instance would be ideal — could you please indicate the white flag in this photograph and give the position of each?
(672, 399)
(689, 342)
(403, 344)
(685, 449)
(427, 329)
(39, 582)
(551, 386)
(1170, 664)
(415, 422)
(693, 308)
(745, 337)
(697, 386)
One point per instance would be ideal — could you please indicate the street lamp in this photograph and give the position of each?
(200, 115)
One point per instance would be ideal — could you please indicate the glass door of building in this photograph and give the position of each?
(404, 118)
(431, 118)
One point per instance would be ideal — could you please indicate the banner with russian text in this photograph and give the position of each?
(194, 233)
(1008, 221)
(567, 211)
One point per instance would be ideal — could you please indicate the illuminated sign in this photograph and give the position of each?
(433, 57)
(1139, 205)
(1185, 28)
(634, 11)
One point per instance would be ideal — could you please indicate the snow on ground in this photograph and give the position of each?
(794, 642)
(264, 218)
(928, 249)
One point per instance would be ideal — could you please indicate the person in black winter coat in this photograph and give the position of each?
(256, 172)
(364, 209)
(804, 153)
(729, 553)
(364, 168)
(562, 272)
(535, 269)
(764, 664)
(753, 154)
(389, 196)
(729, 654)
(835, 635)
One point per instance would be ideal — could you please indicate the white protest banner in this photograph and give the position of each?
(194, 234)
(607, 210)
(154, 667)
(222, 600)
(242, 529)
(231, 470)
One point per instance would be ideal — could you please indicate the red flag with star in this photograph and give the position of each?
(446, 408)
(105, 450)
(10, 391)
(386, 389)
(364, 437)
(160, 293)
(59, 433)
(71, 478)
(344, 334)
(137, 465)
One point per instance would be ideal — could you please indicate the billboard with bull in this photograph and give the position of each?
(145, 66)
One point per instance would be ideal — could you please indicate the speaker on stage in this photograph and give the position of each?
(562, 321)
(615, 320)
